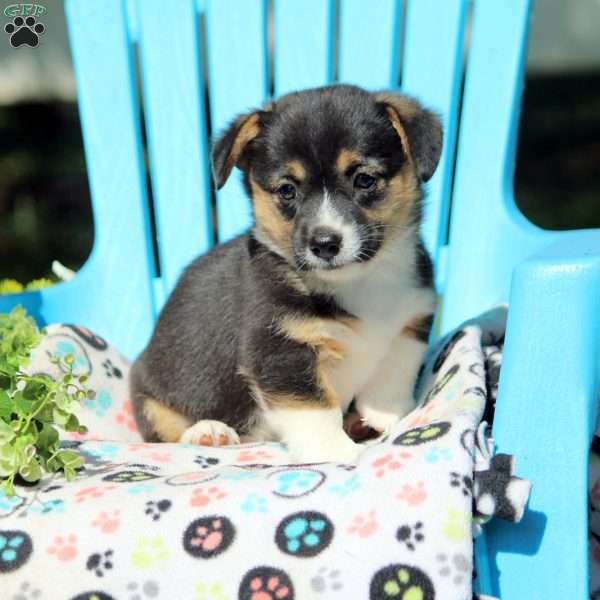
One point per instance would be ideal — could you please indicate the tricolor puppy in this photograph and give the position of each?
(327, 300)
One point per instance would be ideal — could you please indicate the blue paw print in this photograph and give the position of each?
(141, 488)
(297, 482)
(254, 503)
(80, 362)
(437, 454)
(103, 451)
(304, 534)
(15, 549)
(52, 506)
(350, 485)
(9, 505)
(100, 404)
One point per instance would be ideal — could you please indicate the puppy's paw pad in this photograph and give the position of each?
(210, 433)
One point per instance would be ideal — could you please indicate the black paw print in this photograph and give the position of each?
(111, 370)
(24, 31)
(411, 535)
(462, 481)
(155, 509)
(100, 562)
(206, 462)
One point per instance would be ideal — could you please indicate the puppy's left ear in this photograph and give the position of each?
(230, 149)
(420, 131)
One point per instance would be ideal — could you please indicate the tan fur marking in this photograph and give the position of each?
(419, 328)
(345, 158)
(166, 422)
(405, 106)
(269, 220)
(296, 169)
(397, 125)
(248, 131)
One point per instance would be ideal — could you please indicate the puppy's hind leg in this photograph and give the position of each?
(210, 433)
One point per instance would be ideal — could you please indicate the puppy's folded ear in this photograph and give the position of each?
(420, 131)
(230, 149)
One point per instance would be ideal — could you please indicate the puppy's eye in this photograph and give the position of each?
(364, 182)
(287, 191)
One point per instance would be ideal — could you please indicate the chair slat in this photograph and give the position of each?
(369, 43)
(112, 293)
(238, 81)
(432, 72)
(303, 44)
(172, 81)
(488, 234)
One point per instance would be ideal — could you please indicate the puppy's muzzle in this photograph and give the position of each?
(325, 243)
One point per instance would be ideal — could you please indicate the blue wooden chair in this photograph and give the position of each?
(551, 369)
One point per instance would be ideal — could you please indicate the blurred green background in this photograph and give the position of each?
(45, 211)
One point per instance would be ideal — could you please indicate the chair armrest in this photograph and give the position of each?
(545, 416)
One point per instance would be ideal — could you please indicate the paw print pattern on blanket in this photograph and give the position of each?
(401, 582)
(422, 435)
(148, 589)
(413, 495)
(64, 548)
(107, 522)
(304, 534)
(295, 483)
(389, 462)
(148, 552)
(208, 536)
(326, 580)
(266, 583)
(15, 550)
(364, 526)
(203, 496)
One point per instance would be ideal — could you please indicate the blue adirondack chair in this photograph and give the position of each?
(550, 377)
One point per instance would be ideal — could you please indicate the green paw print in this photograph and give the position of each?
(148, 552)
(401, 582)
(457, 527)
(210, 592)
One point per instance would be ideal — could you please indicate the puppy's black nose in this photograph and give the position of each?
(325, 243)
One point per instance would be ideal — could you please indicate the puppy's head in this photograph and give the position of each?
(334, 173)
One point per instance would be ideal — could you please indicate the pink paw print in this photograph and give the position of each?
(253, 456)
(93, 492)
(389, 462)
(202, 496)
(423, 416)
(107, 523)
(273, 589)
(125, 416)
(364, 526)
(413, 494)
(64, 549)
(162, 457)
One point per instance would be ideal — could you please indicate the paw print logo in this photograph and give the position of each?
(208, 536)
(24, 32)
(364, 526)
(99, 562)
(148, 589)
(347, 487)
(304, 534)
(111, 370)
(457, 525)
(401, 581)
(210, 592)
(148, 552)
(155, 510)
(206, 462)
(294, 483)
(64, 549)
(99, 404)
(266, 583)
(464, 482)
(457, 566)
(93, 492)
(326, 580)
(253, 503)
(413, 494)
(204, 496)
(389, 462)
(411, 535)
(107, 522)
(15, 550)
(438, 454)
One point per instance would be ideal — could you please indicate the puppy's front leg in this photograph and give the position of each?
(313, 434)
(287, 371)
(388, 396)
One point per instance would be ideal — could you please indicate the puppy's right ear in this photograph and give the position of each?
(228, 150)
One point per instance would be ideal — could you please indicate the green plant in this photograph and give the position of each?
(33, 406)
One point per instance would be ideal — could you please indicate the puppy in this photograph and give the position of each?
(327, 300)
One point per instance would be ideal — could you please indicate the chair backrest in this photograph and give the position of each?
(189, 66)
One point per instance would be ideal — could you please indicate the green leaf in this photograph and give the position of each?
(6, 434)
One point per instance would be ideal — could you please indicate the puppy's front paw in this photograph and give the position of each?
(210, 433)
(342, 450)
